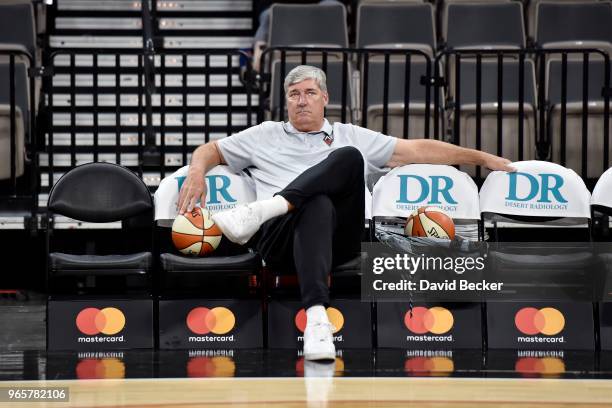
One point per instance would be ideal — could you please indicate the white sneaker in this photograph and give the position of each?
(238, 224)
(319, 341)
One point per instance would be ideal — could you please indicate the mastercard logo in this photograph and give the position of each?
(92, 321)
(218, 320)
(432, 365)
(334, 315)
(219, 366)
(91, 368)
(532, 365)
(548, 321)
(436, 320)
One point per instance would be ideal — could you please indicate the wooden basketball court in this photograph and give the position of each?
(328, 392)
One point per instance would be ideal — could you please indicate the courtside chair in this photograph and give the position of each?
(601, 207)
(535, 217)
(22, 131)
(99, 279)
(396, 195)
(225, 283)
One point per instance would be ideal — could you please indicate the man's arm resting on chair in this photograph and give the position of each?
(203, 159)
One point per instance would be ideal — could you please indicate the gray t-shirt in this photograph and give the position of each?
(276, 153)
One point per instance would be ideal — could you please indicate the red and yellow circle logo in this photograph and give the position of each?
(92, 321)
(531, 321)
(531, 366)
(218, 320)
(436, 320)
(435, 366)
(219, 366)
(93, 368)
(334, 315)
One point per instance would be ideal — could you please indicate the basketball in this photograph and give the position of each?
(430, 222)
(194, 233)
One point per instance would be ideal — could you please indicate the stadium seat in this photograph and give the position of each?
(484, 25)
(570, 152)
(407, 25)
(102, 193)
(584, 24)
(295, 25)
(374, 108)
(17, 27)
(22, 118)
(335, 80)
(510, 122)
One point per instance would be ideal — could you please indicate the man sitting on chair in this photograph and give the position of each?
(309, 178)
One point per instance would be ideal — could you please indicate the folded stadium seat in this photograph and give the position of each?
(534, 4)
(293, 25)
(396, 98)
(223, 285)
(579, 24)
(407, 26)
(508, 143)
(484, 25)
(22, 118)
(336, 80)
(18, 33)
(443, 10)
(601, 207)
(540, 251)
(100, 284)
(396, 195)
(584, 155)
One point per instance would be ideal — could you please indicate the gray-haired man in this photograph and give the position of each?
(309, 177)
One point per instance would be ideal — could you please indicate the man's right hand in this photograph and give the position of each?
(192, 190)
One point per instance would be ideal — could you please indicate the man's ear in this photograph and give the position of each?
(325, 98)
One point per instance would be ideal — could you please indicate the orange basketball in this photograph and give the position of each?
(430, 222)
(194, 233)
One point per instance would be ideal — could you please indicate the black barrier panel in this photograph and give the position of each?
(437, 270)
(429, 325)
(351, 318)
(100, 365)
(210, 324)
(428, 363)
(111, 324)
(605, 326)
(540, 363)
(541, 325)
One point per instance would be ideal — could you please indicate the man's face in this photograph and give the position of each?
(306, 103)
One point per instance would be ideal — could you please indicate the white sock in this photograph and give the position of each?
(317, 314)
(270, 208)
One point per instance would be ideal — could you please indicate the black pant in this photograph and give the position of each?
(324, 229)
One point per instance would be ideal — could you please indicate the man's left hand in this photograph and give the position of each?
(493, 162)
